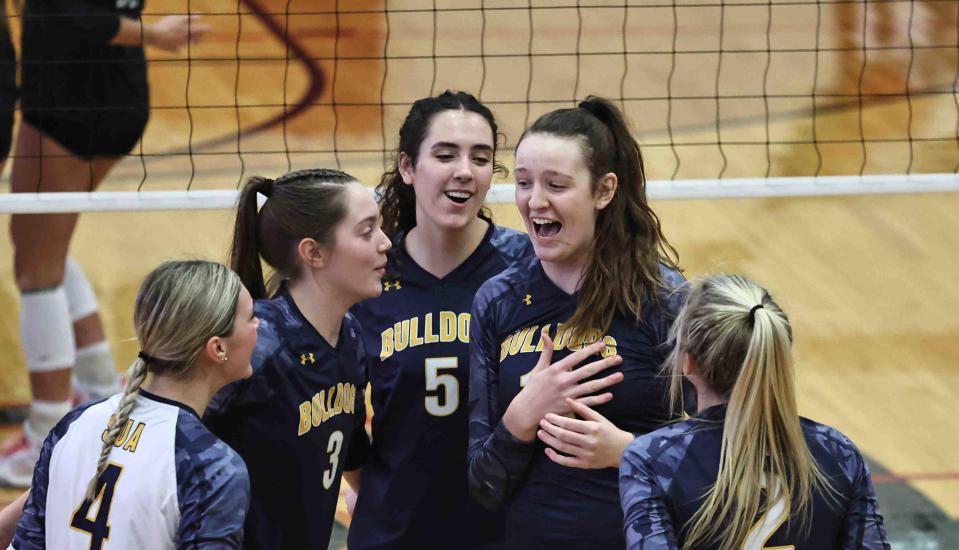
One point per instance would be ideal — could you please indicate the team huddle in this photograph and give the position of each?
(564, 386)
(526, 389)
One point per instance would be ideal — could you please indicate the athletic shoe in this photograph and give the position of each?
(18, 455)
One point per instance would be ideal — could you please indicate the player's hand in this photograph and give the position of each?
(175, 31)
(550, 385)
(591, 443)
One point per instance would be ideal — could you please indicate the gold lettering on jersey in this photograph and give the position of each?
(408, 334)
(131, 444)
(447, 326)
(402, 331)
(428, 336)
(326, 404)
(306, 357)
(128, 438)
(415, 338)
(522, 340)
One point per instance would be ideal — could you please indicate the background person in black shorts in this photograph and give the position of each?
(85, 103)
(8, 85)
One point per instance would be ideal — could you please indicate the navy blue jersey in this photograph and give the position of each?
(169, 483)
(298, 422)
(664, 475)
(547, 502)
(414, 492)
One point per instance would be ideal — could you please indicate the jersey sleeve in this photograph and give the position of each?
(31, 534)
(496, 459)
(862, 526)
(79, 21)
(213, 491)
(646, 521)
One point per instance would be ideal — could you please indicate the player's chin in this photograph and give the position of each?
(373, 288)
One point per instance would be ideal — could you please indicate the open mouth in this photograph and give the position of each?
(459, 197)
(545, 227)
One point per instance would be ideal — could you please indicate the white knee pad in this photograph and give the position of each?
(80, 297)
(46, 330)
(95, 371)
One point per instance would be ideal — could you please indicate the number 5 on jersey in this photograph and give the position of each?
(99, 527)
(447, 400)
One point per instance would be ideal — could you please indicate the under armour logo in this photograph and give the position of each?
(307, 357)
(395, 285)
(527, 300)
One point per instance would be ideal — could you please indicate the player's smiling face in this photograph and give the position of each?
(555, 196)
(453, 169)
(358, 259)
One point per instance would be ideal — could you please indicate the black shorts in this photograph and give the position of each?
(93, 108)
(8, 92)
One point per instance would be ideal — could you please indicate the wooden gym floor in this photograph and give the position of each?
(870, 282)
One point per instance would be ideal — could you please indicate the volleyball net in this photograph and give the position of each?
(727, 98)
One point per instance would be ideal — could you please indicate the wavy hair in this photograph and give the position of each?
(624, 265)
(398, 200)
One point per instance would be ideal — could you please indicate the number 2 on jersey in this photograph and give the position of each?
(450, 386)
(99, 527)
(768, 524)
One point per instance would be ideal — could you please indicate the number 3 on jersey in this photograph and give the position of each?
(333, 446)
(448, 400)
(99, 527)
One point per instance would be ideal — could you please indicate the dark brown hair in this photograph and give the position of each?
(397, 200)
(301, 204)
(624, 267)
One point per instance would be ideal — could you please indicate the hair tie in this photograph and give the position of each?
(266, 189)
(588, 107)
(146, 358)
(752, 312)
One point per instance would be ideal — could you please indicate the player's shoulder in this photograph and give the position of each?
(512, 245)
(509, 281)
(832, 449)
(659, 444)
(101, 407)
(199, 451)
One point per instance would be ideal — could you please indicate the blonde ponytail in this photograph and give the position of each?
(742, 342)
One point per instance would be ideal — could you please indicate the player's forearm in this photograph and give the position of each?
(9, 517)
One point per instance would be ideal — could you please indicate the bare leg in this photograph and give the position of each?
(41, 241)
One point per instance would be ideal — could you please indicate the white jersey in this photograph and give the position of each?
(169, 483)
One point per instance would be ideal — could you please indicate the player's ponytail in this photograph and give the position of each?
(245, 252)
(629, 245)
(397, 199)
(741, 341)
(179, 307)
(301, 204)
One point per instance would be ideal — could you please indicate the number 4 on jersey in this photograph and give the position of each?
(99, 527)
